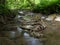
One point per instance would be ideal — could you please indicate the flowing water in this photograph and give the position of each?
(19, 37)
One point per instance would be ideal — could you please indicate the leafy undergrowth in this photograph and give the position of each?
(35, 5)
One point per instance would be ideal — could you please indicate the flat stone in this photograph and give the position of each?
(21, 12)
(51, 17)
(28, 26)
(57, 18)
(19, 16)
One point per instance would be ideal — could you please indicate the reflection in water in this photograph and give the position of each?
(26, 35)
(12, 34)
(31, 40)
(19, 29)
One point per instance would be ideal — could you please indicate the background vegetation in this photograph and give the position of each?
(34, 5)
(44, 6)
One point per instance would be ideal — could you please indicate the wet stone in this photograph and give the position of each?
(57, 18)
(51, 17)
(28, 26)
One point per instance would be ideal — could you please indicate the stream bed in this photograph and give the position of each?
(19, 37)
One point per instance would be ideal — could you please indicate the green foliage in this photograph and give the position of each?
(36, 5)
(3, 9)
(16, 4)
